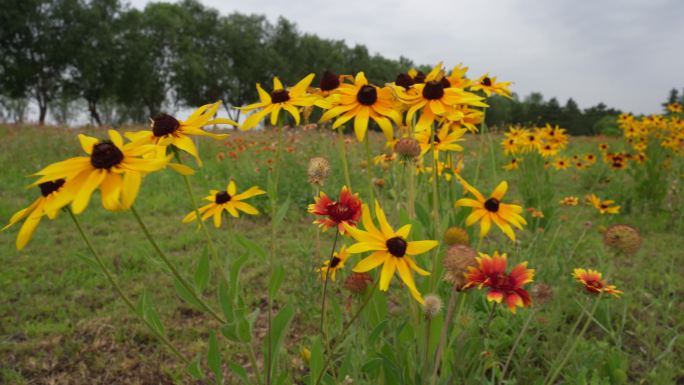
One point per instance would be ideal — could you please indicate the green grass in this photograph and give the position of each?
(61, 322)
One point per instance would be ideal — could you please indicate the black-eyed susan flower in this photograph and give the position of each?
(593, 282)
(435, 98)
(330, 267)
(445, 139)
(503, 287)
(491, 210)
(281, 99)
(390, 248)
(229, 200)
(604, 206)
(345, 210)
(674, 107)
(115, 168)
(569, 201)
(489, 86)
(561, 163)
(49, 203)
(169, 131)
(362, 101)
(513, 164)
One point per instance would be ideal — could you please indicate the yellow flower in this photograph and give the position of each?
(512, 165)
(330, 267)
(390, 248)
(603, 206)
(167, 130)
(363, 101)
(569, 201)
(281, 99)
(112, 166)
(491, 210)
(435, 98)
(444, 140)
(674, 107)
(489, 86)
(561, 163)
(49, 203)
(228, 200)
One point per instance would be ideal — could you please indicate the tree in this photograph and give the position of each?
(32, 57)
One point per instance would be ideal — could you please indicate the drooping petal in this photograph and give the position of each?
(371, 262)
(387, 273)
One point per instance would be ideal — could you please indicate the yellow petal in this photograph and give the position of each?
(116, 138)
(371, 262)
(87, 143)
(419, 247)
(130, 188)
(82, 198)
(485, 224)
(231, 189)
(387, 273)
(362, 247)
(500, 190)
(361, 123)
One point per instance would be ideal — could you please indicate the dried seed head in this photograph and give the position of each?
(357, 282)
(379, 182)
(456, 262)
(318, 171)
(407, 149)
(456, 236)
(542, 293)
(432, 305)
(623, 237)
(363, 164)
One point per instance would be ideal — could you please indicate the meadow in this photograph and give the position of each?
(61, 322)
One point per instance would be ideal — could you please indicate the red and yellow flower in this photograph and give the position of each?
(604, 206)
(346, 210)
(593, 282)
(503, 287)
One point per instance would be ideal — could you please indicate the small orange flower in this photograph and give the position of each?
(569, 201)
(345, 210)
(503, 286)
(591, 279)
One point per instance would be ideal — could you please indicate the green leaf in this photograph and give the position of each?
(202, 273)
(214, 358)
(251, 246)
(194, 369)
(88, 261)
(240, 371)
(185, 294)
(276, 280)
(278, 331)
(145, 308)
(225, 301)
(376, 332)
(282, 210)
(243, 327)
(316, 362)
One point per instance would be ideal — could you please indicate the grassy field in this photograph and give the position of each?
(60, 322)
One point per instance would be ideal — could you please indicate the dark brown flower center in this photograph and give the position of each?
(222, 197)
(334, 262)
(105, 155)
(404, 80)
(433, 90)
(367, 95)
(397, 246)
(280, 96)
(48, 188)
(492, 205)
(164, 124)
(340, 212)
(487, 82)
(435, 138)
(445, 82)
(329, 81)
(420, 77)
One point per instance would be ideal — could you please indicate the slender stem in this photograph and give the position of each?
(253, 362)
(369, 171)
(174, 271)
(120, 292)
(491, 315)
(562, 363)
(480, 143)
(195, 207)
(343, 153)
(325, 283)
(444, 333)
(274, 210)
(517, 341)
(426, 353)
(317, 192)
(412, 189)
(435, 191)
(346, 327)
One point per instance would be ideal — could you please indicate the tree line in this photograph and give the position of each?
(125, 65)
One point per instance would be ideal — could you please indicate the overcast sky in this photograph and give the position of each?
(627, 54)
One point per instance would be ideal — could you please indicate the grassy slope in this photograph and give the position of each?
(60, 322)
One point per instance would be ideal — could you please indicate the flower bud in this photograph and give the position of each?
(456, 236)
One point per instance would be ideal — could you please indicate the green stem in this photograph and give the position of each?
(369, 172)
(444, 333)
(515, 344)
(412, 189)
(174, 271)
(325, 283)
(253, 362)
(210, 243)
(120, 292)
(340, 336)
(562, 363)
(481, 143)
(343, 153)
